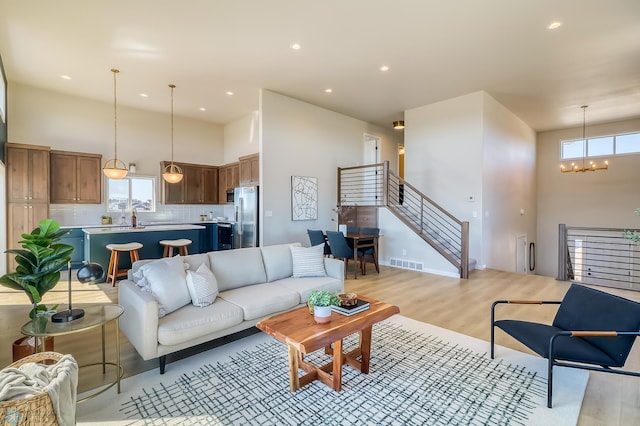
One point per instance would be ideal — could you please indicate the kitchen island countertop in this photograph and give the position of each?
(128, 229)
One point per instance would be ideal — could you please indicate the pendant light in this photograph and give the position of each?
(592, 166)
(115, 169)
(172, 173)
(398, 125)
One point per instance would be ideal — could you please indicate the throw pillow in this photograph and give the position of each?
(168, 284)
(308, 261)
(202, 286)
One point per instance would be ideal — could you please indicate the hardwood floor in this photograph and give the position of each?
(460, 305)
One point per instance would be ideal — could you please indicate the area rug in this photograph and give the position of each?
(419, 374)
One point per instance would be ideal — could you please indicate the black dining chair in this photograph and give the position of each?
(317, 237)
(339, 248)
(368, 252)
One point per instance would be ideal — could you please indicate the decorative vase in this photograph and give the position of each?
(322, 314)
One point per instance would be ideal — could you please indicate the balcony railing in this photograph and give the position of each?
(598, 256)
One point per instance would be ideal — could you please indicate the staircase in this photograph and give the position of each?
(376, 186)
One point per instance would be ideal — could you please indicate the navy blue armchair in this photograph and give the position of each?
(592, 330)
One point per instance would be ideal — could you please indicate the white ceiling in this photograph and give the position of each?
(435, 49)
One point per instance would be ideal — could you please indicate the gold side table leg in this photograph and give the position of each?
(118, 352)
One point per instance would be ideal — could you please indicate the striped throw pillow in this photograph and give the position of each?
(203, 286)
(308, 261)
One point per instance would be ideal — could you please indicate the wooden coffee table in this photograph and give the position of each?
(302, 335)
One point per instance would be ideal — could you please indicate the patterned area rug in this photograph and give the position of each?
(420, 374)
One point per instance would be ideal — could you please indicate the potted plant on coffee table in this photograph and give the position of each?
(39, 264)
(321, 301)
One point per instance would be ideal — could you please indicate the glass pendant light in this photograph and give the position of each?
(172, 173)
(114, 168)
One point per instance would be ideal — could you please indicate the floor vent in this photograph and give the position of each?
(406, 264)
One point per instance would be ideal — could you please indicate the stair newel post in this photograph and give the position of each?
(563, 253)
(464, 251)
(385, 190)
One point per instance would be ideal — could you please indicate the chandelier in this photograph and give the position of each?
(115, 169)
(172, 173)
(584, 167)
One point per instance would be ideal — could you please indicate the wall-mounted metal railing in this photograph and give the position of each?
(376, 185)
(598, 256)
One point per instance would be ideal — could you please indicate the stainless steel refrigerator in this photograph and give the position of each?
(245, 200)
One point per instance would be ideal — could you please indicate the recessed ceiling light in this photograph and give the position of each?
(65, 77)
(384, 68)
(203, 109)
(144, 95)
(229, 93)
(328, 90)
(296, 46)
(554, 25)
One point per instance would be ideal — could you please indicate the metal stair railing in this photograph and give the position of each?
(376, 185)
(598, 256)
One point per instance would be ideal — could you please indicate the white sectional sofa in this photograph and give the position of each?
(253, 283)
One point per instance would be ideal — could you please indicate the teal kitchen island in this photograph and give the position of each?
(96, 240)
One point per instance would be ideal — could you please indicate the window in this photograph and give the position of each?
(131, 192)
(621, 144)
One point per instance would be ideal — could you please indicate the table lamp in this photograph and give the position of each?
(88, 273)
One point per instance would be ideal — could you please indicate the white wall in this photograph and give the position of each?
(471, 147)
(241, 137)
(300, 139)
(42, 117)
(605, 198)
(509, 184)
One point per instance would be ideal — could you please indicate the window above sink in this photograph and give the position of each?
(137, 192)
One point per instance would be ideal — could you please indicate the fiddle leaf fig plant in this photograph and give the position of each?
(39, 263)
(323, 298)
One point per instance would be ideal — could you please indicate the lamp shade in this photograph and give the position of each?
(91, 273)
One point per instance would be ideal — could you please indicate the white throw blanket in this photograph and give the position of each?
(59, 380)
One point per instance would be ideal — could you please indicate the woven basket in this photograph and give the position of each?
(36, 410)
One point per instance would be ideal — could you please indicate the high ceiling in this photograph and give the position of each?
(435, 50)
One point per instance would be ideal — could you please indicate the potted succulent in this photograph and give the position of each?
(321, 302)
(39, 264)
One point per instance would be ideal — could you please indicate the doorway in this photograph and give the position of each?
(371, 149)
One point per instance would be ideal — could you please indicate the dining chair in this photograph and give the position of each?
(339, 248)
(352, 230)
(369, 252)
(317, 237)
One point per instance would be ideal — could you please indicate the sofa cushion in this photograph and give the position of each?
(304, 286)
(237, 268)
(194, 261)
(277, 261)
(308, 261)
(260, 300)
(192, 322)
(166, 280)
(202, 286)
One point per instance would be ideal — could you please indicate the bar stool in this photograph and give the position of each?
(113, 272)
(180, 244)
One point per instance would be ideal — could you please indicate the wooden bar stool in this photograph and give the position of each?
(180, 244)
(113, 272)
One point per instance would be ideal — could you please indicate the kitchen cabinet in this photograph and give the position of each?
(75, 178)
(249, 170)
(27, 173)
(27, 192)
(198, 186)
(228, 178)
(75, 238)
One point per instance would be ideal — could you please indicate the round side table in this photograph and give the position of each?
(95, 316)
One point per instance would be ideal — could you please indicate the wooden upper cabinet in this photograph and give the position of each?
(249, 169)
(228, 178)
(27, 173)
(198, 186)
(76, 178)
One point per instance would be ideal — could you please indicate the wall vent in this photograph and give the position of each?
(406, 264)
